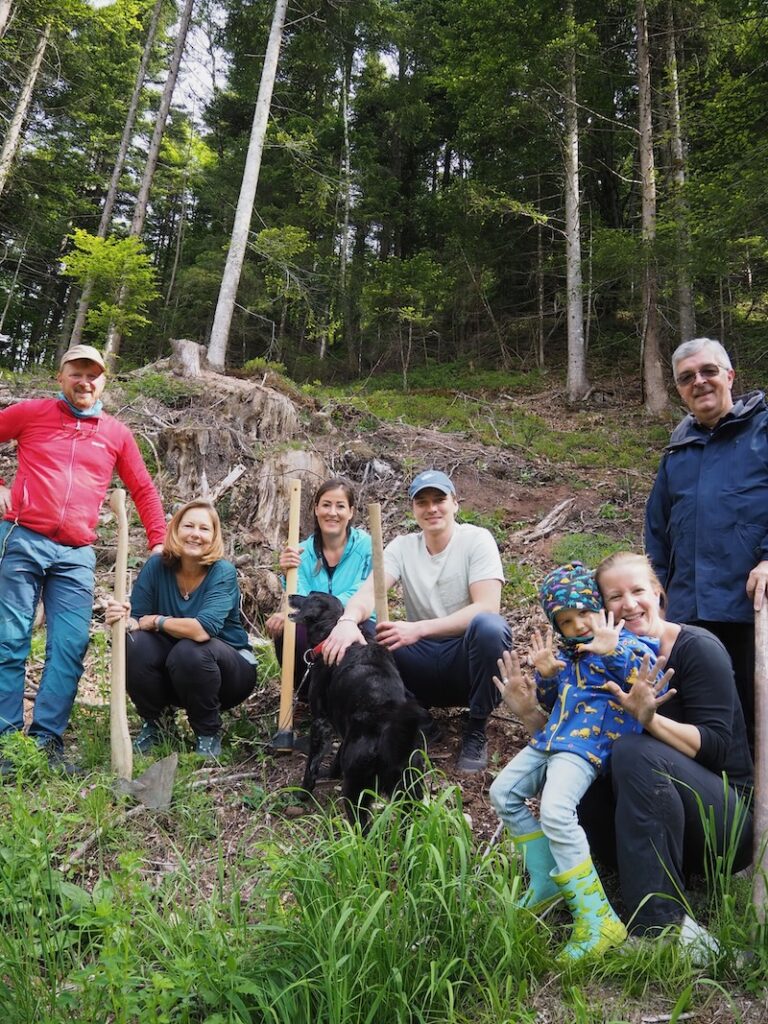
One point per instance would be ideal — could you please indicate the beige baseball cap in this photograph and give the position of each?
(83, 352)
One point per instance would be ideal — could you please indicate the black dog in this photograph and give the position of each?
(363, 699)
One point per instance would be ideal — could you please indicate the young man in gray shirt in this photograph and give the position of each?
(447, 647)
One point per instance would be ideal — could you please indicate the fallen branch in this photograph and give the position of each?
(223, 485)
(84, 847)
(219, 780)
(551, 522)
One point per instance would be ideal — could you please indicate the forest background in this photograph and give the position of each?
(469, 201)
(482, 181)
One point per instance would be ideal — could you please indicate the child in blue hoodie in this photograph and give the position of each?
(563, 759)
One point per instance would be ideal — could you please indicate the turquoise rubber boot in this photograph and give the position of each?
(542, 890)
(596, 927)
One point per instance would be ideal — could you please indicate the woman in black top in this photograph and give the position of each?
(646, 815)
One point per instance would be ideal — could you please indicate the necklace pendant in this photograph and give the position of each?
(185, 595)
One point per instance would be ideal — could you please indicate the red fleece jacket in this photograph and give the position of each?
(65, 467)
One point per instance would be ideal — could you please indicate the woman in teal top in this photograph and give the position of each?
(186, 646)
(334, 560)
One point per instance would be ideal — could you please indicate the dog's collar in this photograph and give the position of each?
(314, 653)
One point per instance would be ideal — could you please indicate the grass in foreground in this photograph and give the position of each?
(308, 922)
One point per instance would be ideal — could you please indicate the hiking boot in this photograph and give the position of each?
(53, 748)
(208, 747)
(474, 752)
(155, 732)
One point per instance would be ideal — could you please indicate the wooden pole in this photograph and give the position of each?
(379, 583)
(120, 738)
(283, 739)
(760, 858)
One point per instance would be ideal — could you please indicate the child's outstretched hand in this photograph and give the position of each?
(541, 654)
(606, 637)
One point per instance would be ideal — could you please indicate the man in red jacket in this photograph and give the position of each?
(67, 451)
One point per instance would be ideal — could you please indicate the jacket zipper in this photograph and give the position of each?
(555, 731)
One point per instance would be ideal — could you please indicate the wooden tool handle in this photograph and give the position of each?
(760, 806)
(285, 718)
(379, 582)
(120, 738)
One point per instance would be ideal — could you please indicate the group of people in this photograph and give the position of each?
(636, 715)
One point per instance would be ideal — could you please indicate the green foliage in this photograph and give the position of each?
(171, 391)
(123, 280)
(520, 586)
(495, 521)
(258, 367)
(588, 548)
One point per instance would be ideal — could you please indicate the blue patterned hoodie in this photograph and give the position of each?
(584, 719)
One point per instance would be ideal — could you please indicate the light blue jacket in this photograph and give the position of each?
(355, 566)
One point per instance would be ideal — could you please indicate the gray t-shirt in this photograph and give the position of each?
(438, 585)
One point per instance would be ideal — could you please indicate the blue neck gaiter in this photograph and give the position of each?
(82, 414)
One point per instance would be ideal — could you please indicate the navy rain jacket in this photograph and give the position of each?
(706, 521)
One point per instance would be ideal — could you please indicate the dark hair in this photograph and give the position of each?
(336, 483)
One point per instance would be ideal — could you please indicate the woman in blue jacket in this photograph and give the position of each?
(335, 559)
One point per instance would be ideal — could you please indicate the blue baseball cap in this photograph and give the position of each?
(431, 478)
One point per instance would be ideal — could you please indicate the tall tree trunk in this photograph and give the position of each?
(5, 15)
(685, 304)
(577, 384)
(13, 135)
(114, 338)
(117, 170)
(217, 351)
(12, 288)
(656, 401)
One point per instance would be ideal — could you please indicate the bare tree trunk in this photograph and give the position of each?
(5, 15)
(577, 384)
(217, 351)
(539, 281)
(685, 304)
(12, 288)
(114, 338)
(117, 170)
(13, 135)
(656, 401)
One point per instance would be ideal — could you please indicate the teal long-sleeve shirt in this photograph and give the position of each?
(354, 567)
(215, 603)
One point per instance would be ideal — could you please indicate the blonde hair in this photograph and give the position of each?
(172, 544)
(633, 558)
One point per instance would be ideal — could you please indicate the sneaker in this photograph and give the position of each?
(474, 752)
(208, 747)
(150, 736)
(701, 946)
(155, 732)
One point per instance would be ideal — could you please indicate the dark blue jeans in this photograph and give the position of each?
(33, 566)
(457, 671)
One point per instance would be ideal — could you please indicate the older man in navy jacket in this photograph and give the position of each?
(706, 528)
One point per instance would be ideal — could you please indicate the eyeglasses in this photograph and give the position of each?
(708, 372)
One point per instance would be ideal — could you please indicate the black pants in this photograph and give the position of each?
(738, 638)
(645, 818)
(203, 678)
